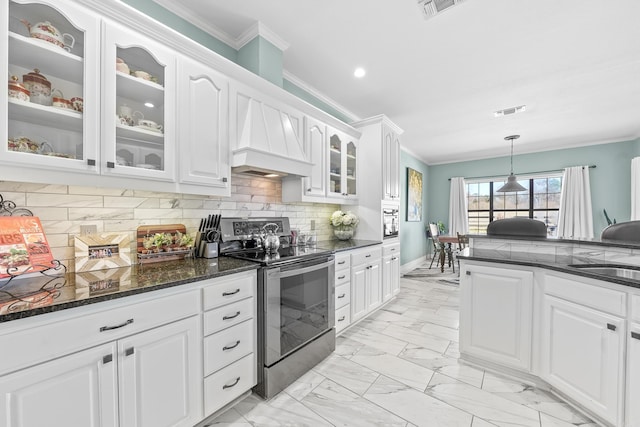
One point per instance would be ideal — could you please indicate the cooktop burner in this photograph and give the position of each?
(284, 255)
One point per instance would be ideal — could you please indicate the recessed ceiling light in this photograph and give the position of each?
(149, 104)
(359, 72)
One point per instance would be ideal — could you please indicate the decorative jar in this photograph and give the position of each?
(343, 232)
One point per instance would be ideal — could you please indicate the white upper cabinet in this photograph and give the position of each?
(138, 113)
(342, 165)
(203, 96)
(390, 164)
(40, 133)
(315, 136)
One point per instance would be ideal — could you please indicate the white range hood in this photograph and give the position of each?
(268, 140)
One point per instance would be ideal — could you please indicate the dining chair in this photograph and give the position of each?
(463, 242)
(437, 246)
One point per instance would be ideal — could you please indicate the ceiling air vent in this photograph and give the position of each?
(511, 110)
(432, 7)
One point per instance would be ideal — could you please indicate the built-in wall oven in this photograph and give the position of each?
(390, 221)
(296, 303)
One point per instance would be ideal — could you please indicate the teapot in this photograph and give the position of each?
(47, 32)
(128, 116)
(38, 86)
(271, 242)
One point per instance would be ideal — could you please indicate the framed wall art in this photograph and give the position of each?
(102, 250)
(414, 195)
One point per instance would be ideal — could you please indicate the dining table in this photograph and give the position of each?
(445, 246)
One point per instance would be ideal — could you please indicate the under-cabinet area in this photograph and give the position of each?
(576, 336)
(169, 357)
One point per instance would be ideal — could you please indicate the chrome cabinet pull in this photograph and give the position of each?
(231, 347)
(341, 319)
(109, 328)
(611, 327)
(231, 317)
(226, 386)
(111, 165)
(226, 294)
(129, 351)
(342, 296)
(91, 162)
(368, 256)
(341, 262)
(106, 359)
(468, 273)
(341, 277)
(635, 335)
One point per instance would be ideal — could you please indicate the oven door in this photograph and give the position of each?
(299, 305)
(390, 217)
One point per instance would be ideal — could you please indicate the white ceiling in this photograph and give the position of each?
(574, 63)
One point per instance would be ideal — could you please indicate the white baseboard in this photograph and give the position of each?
(407, 267)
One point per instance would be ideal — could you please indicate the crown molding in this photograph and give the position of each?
(319, 95)
(259, 29)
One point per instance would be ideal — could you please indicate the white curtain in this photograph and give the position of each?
(575, 219)
(458, 216)
(635, 188)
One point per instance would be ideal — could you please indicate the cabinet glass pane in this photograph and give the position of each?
(335, 164)
(47, 117)
(139, 109)
(351, 168)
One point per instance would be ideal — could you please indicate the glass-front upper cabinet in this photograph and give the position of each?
(342, 165)
(49, 114)
(139, 90)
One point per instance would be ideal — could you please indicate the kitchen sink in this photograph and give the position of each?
(611, 270)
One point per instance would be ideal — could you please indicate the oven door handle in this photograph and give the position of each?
(297, 271)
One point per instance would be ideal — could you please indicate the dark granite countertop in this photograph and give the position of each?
(44, 294)
(345, 245)
(594, 241)
(560, 263)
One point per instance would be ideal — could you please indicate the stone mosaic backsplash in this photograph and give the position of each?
(64, 208)
(556, 251)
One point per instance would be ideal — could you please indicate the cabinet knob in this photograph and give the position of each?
(224, 179)
(635, 335)
(308, 190)
(129, 351)
(611, 327)
(91, 162)
(111, 165)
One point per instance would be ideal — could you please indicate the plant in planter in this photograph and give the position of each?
(161, 241)
(186, 241)
(147, 244)
(344, 224)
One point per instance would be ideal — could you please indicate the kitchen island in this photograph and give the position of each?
(546, 311)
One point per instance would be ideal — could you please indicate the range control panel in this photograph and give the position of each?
(244, 228)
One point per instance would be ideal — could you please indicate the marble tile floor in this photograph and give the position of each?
(399, 367)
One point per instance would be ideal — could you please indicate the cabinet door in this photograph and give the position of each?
(315, 146)
(79, 390)
(633, 376)
(43, 136)
(342, 165)
(386, 277)
(161, 376)
(359, 304)
(203, 126)
(390, 165)
(395, 274)
(138, 113)
(496, 315)
(582, 355)
(374, 285)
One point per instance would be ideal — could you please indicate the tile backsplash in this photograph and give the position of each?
(62, 209)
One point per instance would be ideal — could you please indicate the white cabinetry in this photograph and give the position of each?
(366, 281)
(71, 136)
(315, 146)
(496, 314)
(583, 337)
(633, 364)
(342, 165)
(390, 163)
(390, 270)
(203, 96)
(343, 290)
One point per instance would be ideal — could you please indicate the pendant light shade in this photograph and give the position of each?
(512, 182)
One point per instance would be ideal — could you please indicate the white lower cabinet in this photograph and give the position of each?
(390, 271)
(79, 390)
(583, 342)
(159, 381)
(366, 281)
(342, 291)
(496, 314)
(633, 375)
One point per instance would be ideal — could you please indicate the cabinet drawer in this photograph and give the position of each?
(600, 298)
(229, 290)
(65, 332)
(366, 256)
(343, 317)
(229, 383)
(225, 347)
(228, 315)
(343, 295)
(391, 249)
(635, 307)
(342, 276)
(343, 261)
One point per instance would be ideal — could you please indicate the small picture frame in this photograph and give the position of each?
(102, 251)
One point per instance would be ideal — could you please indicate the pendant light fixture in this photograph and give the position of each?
(512, 183)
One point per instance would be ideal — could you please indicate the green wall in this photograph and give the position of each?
(263, 58)
(412, 235)
(610, 180)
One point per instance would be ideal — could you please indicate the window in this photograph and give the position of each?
(541, 201)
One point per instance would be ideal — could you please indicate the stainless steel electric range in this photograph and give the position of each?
(296, 306)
